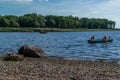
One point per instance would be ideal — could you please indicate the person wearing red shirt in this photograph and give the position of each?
(92, 37)
(105, 38)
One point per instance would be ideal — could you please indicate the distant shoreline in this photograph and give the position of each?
(11, 29)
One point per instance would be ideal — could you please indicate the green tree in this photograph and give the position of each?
(14, 24)
(4, 22)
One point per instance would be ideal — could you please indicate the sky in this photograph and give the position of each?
(108, 9)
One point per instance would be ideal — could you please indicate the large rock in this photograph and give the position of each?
(31, 51)
(14, 57)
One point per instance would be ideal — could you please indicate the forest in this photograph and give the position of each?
(35, 20)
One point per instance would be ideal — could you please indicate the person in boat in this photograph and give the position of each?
(105, 38)
(92, 38)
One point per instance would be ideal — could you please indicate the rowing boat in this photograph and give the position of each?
(99, 41)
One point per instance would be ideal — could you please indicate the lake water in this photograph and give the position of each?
(72, 45)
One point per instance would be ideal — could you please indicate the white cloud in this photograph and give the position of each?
(24, 0)
(17, 0)
(46, 0)
(5, 0)
(43, 0)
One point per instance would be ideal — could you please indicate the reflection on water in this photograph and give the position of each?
(64, 44)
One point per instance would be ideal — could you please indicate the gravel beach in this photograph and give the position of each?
(58, 69)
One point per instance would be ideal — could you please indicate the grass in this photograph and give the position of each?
(11, 29)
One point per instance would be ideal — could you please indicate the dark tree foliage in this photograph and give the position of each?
(52, 21)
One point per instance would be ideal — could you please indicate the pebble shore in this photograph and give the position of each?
(58, 69)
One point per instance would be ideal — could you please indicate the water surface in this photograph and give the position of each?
(72, 45)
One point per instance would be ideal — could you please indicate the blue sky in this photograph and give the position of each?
(82, 8)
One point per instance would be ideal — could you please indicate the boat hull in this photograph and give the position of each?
(100, 41)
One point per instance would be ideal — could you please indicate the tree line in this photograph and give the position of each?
(52, 21)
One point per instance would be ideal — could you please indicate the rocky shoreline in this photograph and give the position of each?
(58, 69)
(31, 63)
